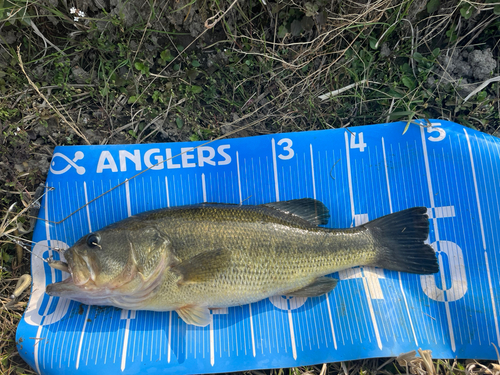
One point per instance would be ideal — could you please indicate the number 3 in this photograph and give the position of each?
(287, 148)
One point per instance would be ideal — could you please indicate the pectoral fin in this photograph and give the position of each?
(203, 267)
(318, 287)
(195, 315)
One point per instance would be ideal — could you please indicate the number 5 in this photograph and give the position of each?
(458, 287)
(441, 131)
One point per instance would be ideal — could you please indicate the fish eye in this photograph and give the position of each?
(93, 240)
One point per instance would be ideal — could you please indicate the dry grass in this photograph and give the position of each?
(11, 361)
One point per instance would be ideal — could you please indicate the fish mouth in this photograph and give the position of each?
(81, 279)
(65, 288)
(87, 293)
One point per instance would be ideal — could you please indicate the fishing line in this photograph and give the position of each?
(206, 143)
(23, 245)
(34, 206)
(152, 166)
(30, 242)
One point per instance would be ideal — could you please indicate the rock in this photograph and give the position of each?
(40, 163)
(41, 130)
(385, 50)
(226, 129)
(8, 37)
(464, 69)
(81, 75)
(482, 63)
(93, 137)
(19, 168)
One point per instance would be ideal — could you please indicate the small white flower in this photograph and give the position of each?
(81, 13)
(72, 10)
(76, 19)
(18, 129)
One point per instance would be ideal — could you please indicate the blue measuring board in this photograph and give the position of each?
(360, 175)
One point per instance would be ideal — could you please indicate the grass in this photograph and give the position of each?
(197, 70)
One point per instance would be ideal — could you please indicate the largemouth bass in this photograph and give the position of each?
(193, 258)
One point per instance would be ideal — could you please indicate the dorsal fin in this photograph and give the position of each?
(308, 209)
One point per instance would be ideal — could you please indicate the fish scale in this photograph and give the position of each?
(193, 258)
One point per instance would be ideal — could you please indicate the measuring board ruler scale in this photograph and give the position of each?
(359, 175)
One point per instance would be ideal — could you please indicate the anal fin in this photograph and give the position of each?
(195, 315)
(318, 287)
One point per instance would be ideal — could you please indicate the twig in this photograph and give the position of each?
(427, 358)
(145, 29)
(19, 251)
(496, 350)
(45, 40)
(390, 110)
(211, 25)
(285, 63)
(344, 367)
(73, 127)
(412, 60)
(340, 91)
(480, 87)
(388, 29)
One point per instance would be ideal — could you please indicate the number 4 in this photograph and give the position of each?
(361, 145)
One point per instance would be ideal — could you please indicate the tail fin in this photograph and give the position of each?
(400, 237)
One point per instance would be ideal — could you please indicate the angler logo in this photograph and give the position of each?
(158, 159)
(70, 163)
